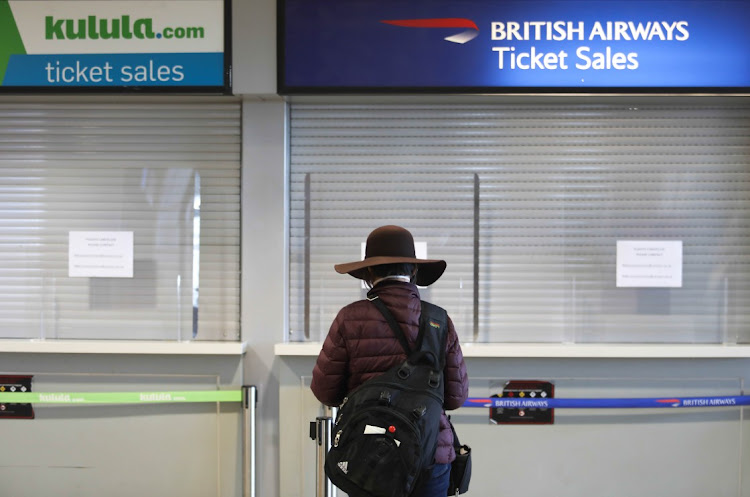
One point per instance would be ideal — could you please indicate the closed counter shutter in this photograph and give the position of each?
(166, 170)
(526, 203)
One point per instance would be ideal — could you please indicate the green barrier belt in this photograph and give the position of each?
(121, 397)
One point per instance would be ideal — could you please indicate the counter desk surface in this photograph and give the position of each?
(139, 347)
(556, 350)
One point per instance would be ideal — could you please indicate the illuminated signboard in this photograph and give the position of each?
(514, 45)
(114, 45)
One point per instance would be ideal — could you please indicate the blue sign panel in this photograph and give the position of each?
(514, 45)
(116, 70)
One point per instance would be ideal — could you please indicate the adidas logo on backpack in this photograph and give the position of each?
(390, 424)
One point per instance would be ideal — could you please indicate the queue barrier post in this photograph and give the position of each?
(320, 432)
(249, 460)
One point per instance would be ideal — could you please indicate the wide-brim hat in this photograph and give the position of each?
(390, 245)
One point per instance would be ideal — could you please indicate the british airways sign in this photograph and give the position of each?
(514, 45)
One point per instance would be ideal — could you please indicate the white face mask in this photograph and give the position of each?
(404, 278)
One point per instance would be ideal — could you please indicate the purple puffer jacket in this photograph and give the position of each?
(360, 345)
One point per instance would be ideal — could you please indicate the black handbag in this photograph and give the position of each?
(460, 467)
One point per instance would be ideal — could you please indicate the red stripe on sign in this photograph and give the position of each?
(451, 22)
(667, 401)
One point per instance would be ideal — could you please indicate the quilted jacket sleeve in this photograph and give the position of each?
(455, 373)
(330, 374)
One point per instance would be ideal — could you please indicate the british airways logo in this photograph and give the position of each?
(470, 28)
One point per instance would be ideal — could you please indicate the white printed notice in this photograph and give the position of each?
(649, 263)
(102, 254)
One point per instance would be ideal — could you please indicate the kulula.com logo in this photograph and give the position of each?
(123, 27)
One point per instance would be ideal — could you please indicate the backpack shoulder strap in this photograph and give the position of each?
(393, 324)
(433, 330)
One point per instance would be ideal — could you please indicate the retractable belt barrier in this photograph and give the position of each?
(122, 397)
(634, 403)
(501, 402)
(320, 431)
(248, 396)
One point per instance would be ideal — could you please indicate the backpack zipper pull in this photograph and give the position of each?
(336, 439)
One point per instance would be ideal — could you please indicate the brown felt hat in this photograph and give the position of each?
(389, 245)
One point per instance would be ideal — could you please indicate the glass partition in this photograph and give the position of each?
(529, 204)
(119, 219)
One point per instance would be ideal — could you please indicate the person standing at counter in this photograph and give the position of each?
(360, 344)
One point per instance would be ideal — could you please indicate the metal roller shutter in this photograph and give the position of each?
(537, 196)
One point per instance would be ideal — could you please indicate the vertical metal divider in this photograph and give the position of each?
(741, 454)
(476, 256)
(306, 296)
(249, 459)
(195, 294)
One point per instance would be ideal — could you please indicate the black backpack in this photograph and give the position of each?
(386, 430)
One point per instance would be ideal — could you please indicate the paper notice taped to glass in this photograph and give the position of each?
(649, 263)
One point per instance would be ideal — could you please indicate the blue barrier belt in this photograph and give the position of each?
(637, 403)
